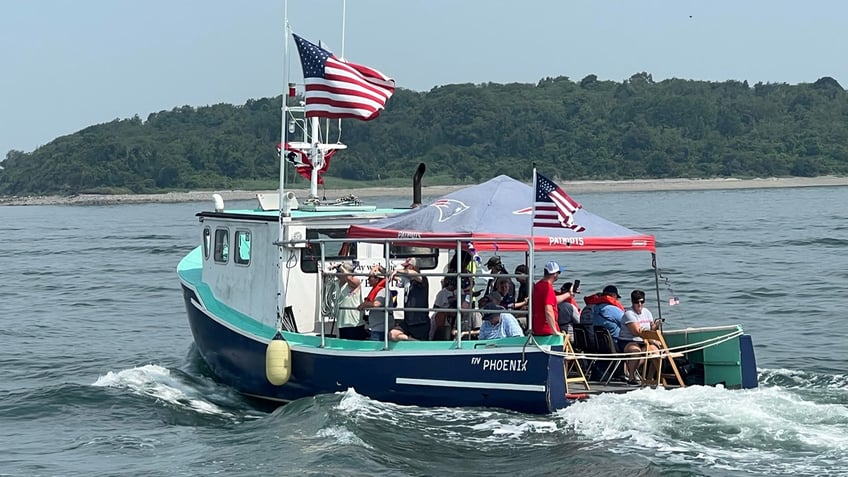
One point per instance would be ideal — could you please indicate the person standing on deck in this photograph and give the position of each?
(568, 311)
(376, 300)
(416, 295)
(523, 288)
(351, 324)
(545, 301)
(495, 267)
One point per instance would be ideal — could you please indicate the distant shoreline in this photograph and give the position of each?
(429, 191)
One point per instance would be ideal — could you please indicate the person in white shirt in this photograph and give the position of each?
(446, 298)
(630, 340)
(350, 317)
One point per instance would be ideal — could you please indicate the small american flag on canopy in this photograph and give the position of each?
(339, 89)
(553, 207)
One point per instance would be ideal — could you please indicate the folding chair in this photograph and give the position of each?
(663, 353)
(603, 339)
(582, 343)
(571, 362)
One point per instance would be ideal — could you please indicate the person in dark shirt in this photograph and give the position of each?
(505, 288)
(415, 324)
(523, 287)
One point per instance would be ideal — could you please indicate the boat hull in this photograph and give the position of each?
(521, 378)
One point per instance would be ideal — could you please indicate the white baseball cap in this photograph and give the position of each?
(553, 267)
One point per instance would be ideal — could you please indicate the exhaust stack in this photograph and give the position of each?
(416, 185)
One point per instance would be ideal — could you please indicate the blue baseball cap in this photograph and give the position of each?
(553, 267)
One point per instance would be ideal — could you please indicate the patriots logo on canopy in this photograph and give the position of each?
(449, 208)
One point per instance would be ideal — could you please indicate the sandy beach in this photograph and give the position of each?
(572, 187)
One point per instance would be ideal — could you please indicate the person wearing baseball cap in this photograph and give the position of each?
(496, 267)
(545, 300)
(607, 311)
(497, 322)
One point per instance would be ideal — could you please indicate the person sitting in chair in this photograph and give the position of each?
(497, 323)
(636, 319)
(607, 311)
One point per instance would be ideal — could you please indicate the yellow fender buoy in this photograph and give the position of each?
(278, 361)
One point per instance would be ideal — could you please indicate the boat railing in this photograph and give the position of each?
(733, 333)
(459, 245)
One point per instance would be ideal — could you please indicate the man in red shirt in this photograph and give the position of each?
(545, 300)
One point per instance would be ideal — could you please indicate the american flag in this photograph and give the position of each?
(303, 165)
(340, 89)
(554, 208)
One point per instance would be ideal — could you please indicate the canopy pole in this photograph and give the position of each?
(657, 286)
(531, 257)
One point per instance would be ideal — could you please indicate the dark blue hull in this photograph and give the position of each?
(523, 379)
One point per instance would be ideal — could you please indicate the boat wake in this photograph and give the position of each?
(175, 389)
(773, 430)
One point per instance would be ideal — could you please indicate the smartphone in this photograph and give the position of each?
(576, 287)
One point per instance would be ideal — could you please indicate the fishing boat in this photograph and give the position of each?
(260, 289)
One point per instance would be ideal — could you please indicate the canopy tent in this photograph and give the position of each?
(498, 209)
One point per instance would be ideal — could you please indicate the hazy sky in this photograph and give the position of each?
(66, 65)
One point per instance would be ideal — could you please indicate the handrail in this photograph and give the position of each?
(639, 355)
(386, 261)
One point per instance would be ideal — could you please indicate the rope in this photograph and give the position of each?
(684, 349)
(329, 304)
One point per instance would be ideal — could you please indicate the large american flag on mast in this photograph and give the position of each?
(554, 208)
(339, 89)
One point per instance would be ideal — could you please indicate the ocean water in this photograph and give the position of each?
(99, 377)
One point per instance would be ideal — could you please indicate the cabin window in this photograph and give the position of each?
(333, 251)
(242, 243)
(222, 245)
(425, 256)
(207, 242)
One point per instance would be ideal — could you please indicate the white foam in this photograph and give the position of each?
(155, 381)
(769, 427)
(773, 430)
(341, 436)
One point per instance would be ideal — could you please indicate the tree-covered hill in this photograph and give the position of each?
(589, 129)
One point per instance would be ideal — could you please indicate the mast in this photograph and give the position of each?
(284, 212)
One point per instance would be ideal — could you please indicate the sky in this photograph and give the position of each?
(66, 65)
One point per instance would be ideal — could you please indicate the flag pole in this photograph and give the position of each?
(284, 212)
(532, 258)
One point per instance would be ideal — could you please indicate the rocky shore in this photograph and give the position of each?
(571, 187)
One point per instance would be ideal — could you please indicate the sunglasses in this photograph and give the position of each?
(639, 302)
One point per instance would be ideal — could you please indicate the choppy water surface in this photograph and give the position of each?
(98, 375)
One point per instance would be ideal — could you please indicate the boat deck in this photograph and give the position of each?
(598, 387)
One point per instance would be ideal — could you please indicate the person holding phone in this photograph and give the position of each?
(569, 311)
(635, 319)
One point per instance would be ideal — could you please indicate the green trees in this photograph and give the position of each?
(590, 129)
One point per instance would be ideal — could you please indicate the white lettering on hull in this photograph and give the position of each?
(509, 365)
